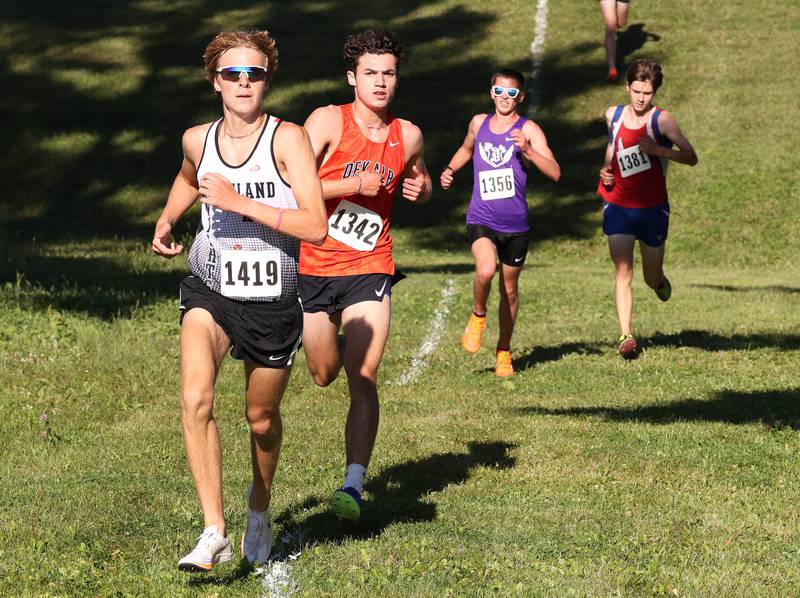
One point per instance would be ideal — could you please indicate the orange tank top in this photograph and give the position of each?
(358, 239)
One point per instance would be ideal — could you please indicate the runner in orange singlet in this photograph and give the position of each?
(364, 155)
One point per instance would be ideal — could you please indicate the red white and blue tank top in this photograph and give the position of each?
(640, 180)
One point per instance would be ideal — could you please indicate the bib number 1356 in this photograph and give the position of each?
(251, 274)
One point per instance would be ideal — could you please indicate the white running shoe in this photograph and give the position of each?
(257, 539)
(212, 548)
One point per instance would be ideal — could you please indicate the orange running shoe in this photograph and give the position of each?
(504, 367)
(471, 339)
(613, 75)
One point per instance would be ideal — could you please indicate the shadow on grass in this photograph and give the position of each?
(230, 576)
(98, 286)
(772, 408)
(630, 40)
(775, 288)
(398, 495)
(712, 341)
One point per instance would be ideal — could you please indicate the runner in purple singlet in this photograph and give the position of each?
(501, 146)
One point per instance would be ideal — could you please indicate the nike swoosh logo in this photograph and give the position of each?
(379, 292)
(393, 144)
(255, 167)
(517, 260)
(277, 358)
(509, 139)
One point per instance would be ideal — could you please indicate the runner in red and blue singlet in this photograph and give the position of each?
(633, 185)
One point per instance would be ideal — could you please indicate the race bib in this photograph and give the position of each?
(355, 225)
(496, 184)
(632, 160)
(250, 274)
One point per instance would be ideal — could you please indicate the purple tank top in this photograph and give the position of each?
(498, 191)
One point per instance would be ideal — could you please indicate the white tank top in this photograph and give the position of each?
(237, 257)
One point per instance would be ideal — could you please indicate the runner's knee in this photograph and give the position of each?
(485, 272)
(263, 421)
(197, 405)
(653, 279)
(362, 377)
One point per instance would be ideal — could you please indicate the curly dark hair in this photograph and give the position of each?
(371, 42)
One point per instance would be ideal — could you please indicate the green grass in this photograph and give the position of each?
(675, 474)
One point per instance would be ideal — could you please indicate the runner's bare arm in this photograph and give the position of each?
(417, 184)
(182, 194)
(295, 160)
(605, 172)
(324, 128)
(463, 153)
(533, 145)
(668, 126)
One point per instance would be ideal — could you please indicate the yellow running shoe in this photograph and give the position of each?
(504, 367)
(471, 339)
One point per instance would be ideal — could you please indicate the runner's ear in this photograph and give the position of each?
(351, 78)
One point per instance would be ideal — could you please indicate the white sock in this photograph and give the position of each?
(354, 478)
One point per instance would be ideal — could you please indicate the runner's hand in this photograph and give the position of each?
(606, 175)
(371, 183)
(218, 192)
(647, 145)
(446, 180)
(520, 140)
(163, 244)
(414, 185)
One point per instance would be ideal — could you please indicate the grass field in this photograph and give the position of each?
(584, 475)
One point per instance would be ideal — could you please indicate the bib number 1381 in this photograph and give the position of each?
(250, 274)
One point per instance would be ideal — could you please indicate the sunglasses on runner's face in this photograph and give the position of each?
(233, 73)
(497, 91)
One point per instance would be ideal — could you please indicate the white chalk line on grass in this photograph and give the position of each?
(537, 54)
(420, 360)
(278, 581)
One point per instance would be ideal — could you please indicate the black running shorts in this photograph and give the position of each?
(512, 248)
(267, 334)
(332, 294)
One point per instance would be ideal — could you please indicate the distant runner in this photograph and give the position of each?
(501, 146)
(633, 183)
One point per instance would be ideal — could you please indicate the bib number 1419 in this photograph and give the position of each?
(250, 274)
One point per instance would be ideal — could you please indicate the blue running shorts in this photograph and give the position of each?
(649, 225)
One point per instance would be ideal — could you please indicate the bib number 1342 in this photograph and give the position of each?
(355, 225)
(250, 274)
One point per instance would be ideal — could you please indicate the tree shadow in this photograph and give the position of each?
(712, 341)
(398, 495)
(771, 408)
(101, 163)
(775, 288)
(97, 286)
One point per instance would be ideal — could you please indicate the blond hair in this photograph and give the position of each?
(257, 40)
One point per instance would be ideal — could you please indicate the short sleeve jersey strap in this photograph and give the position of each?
(359, 241)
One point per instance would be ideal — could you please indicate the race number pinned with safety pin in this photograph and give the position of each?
(355, 225)
(250, 274)
(632, 160)
(496, 184)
